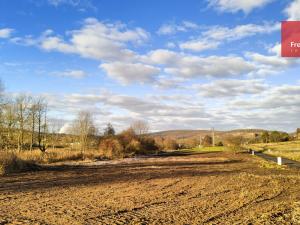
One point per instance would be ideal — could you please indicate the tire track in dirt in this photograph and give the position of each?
(125, 215)
(257, 200)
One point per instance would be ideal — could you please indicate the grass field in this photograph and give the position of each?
(211, 149)
(290, 149)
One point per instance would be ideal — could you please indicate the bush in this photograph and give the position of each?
(111, 148)
(127, 144)
(220, 143)
(207, 141)
(236, 142)
(170, 144)
(134, 146)
(148, 145)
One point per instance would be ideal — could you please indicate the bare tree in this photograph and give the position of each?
(84, 127)
(10, 124)
(140, 127)
(22, 104)
(33, 111)
(1, 94)
(1, 115)
(236, 142)
(42, 125)
(54, 127)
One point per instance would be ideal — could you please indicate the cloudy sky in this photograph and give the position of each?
(179, 64)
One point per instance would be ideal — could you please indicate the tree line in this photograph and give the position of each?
(25, 125)
(23, 122)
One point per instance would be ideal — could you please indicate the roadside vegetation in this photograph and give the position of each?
(290, 149)
(212, 149)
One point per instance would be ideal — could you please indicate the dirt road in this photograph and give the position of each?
(207, 188)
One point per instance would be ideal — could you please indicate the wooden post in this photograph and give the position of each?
(279, 160)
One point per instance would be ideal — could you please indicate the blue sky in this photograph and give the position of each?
(176, 64)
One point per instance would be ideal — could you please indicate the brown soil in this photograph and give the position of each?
(207, 188)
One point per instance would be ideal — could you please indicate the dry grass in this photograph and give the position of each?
(14, 161)
(58, 155)
(212, 149)
(290, 149)
(10, 162)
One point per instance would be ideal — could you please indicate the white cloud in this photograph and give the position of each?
(172, 28)
(168, 83)
(272, 63)
(6, 32)
(161, 56)
(127, 73)
(238, 5)
(285, 97)
(230, 88)
(199, 45)
(56, 43)
(266, 107)
(170, 45)
(216, 35)
(60, 2)
(240, 31)
(212, 66)
(293, 10)
(81, 5)
(190, 66)
(78, 74)
(271, 60)
(98, 40)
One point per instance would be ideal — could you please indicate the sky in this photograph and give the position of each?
(177, 64)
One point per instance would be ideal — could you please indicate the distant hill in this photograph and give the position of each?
(180, 134)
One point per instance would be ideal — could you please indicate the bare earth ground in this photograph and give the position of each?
(207, 188)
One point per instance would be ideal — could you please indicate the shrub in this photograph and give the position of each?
(207, 141)
(236, 142)
(148, 145)
(220, 143)
(111, 148)
(134, 146)
(127, 144)
(127, 136)
(170, 144)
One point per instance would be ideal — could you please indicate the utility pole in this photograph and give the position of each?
(200, 140)
(213, 137)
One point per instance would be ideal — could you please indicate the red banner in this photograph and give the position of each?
(290, 39)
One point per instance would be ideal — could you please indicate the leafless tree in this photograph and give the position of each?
(22, 106)
(1, 115)
(9, 127)
(42, 125)
(84, 127)
(140, 127)
(33, 110)
(54, 127)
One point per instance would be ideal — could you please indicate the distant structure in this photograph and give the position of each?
(200, 141)
(298, 134)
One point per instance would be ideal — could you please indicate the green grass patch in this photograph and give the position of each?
(289, 149)
(211, 149)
